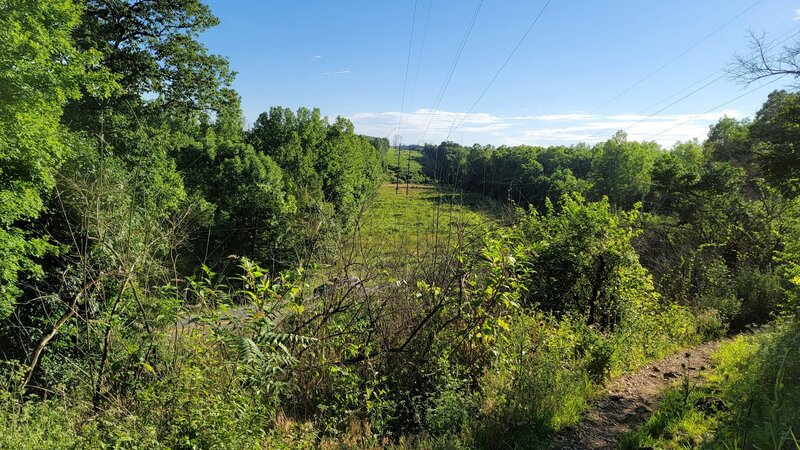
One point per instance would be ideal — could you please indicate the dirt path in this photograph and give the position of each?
(629, 400)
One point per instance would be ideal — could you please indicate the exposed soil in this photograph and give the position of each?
(629, 400)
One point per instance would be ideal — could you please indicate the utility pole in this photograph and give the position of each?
(397, 138)
(408, 171)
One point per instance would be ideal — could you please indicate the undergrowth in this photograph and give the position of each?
(748, 401)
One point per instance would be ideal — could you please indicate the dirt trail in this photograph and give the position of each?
(629, 400)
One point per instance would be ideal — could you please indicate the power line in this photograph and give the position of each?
(776, 42)
(503, 66)
(712, 109)
(452, 69)
(668, 63)
(408, 62)
(678, 100)
(794, 31)
(668, 106)
(716, 72)
(403, 98)
(421, 47)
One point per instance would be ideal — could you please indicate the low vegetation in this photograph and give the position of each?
(406, 166)
(171, 279)
(748, 401)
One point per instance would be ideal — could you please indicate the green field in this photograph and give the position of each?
(401, 226)
(408, 168)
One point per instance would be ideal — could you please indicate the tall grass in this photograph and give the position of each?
(750, 400)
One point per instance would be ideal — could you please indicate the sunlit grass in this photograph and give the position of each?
(748, 401)
(405, 166)
(406, 223)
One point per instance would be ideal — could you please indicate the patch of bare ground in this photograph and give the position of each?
(629, 400)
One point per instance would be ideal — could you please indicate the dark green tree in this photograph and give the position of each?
(775, 135)
(580, 260)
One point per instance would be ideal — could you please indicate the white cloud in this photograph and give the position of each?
(428, 124)
(536, 130)
(338, 72)
(665, 129)
(564, 117)
(797, 14)
(317, 56)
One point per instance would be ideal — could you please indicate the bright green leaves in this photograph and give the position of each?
(40, 69)
(776, 140)
(153, 48)
(327, 172)
(789, 260)
(621, 170)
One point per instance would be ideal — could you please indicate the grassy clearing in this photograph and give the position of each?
(407, 168)
(401, 226)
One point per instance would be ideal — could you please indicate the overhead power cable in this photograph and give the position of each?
(714, 108)
(664, 108)
(408, 62)
(721, 73)
(452, 69)
(403, 98)
(421, 48)
(794, 31)
(675, 94)
(503, 66)
(668, 63)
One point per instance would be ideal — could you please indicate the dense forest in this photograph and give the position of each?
(172, 278)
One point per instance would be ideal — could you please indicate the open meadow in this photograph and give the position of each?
(408, 225)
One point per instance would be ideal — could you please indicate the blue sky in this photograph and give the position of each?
(349, 58)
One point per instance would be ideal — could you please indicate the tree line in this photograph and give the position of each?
(170, 278)
(713, 215)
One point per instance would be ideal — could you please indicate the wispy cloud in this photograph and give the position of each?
(536, 130)
(428, 124)
(338, 72)
(317, 56)
(797, 14)
(665, 129)
(563, 117)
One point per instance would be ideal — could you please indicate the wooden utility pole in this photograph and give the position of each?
(408, 171)
(397, 144)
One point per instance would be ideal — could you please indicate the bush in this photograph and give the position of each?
(760, 295)
(538, 384)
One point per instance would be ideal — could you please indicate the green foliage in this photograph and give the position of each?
(525, 175)
(747, 401)
(328, 172)
(405, 166)
(138, 221)
(759, 380)
(789, 260)
(775, 135)
(581, 260)
(680, 416)
(253, 210)
(452, 409)
(40, 70)
(39, 425)
(153, 49)
(536, 386)
(621, 170)
(396, 226)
